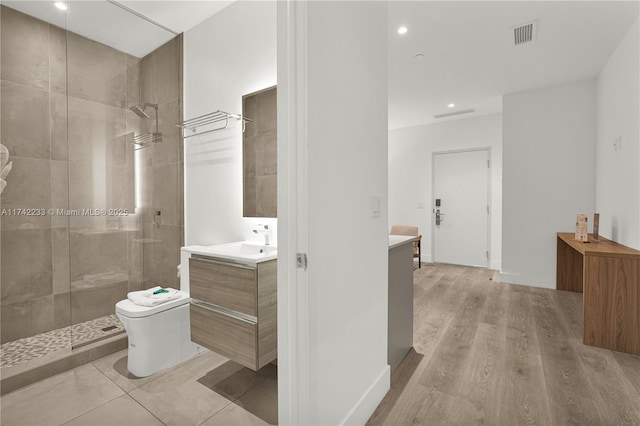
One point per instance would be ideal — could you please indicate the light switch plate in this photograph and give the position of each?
(617, 143)
(375, 206)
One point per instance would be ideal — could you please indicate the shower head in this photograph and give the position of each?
(139, 111)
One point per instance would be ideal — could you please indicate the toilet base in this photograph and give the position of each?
(159, 341)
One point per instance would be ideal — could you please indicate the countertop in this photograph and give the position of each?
(602, 247)
(218, 252)
(397, 240)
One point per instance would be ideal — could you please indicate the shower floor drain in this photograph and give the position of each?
(111, 327)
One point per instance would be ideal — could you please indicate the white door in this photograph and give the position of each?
(460, 216)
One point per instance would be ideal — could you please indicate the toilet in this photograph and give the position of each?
(159, 336)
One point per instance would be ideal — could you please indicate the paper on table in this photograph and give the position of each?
(581, 227)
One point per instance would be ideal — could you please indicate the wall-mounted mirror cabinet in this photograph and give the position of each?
(259, 154)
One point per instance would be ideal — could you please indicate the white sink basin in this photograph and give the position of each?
(244, 251)
(244, 247)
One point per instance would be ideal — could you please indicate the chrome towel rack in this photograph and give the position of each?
(146, 140)
(211, 119)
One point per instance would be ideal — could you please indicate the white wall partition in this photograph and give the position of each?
(336, 76)
(549, 142)
(618, 147)
(410, 177)
(229, 55)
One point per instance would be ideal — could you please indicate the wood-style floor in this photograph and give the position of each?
(490, 353)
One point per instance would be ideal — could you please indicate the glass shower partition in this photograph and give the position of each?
(110, 197)
(103, 251)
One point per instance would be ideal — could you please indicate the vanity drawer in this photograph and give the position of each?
(230, 336)
(227, 285)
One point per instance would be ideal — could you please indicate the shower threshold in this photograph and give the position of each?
(75, 336)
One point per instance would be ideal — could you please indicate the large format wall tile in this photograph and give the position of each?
(96, 72)
(70, 152)
(26, 265)
(144, 185)
(90, 126)
(160, 76)
(24, 52)
(120, 173)
(97, 257)
(167, 191)
(162, 255)
(97, 301)
(86, 192)
(59, 193)
(58, 59)
(58, 118)
(25, 120)
(27, 318)
(160, 167)
(61, 310)
(133, 81)
(28, 187)
(60, 260)
(151, 255)
(170, 149)
(172, 240)
(136, 245)
(134, 124)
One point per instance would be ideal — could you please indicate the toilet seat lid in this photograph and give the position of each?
(129, 309)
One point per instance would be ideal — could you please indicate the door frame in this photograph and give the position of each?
(293, 282)
(487, 149)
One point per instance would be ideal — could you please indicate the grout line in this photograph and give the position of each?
(145, 408)
(94, 408)
(215, 414)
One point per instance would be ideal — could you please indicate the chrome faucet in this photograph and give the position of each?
(265, 231)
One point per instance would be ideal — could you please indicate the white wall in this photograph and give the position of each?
(410, 173)
(229, 55)
(549, 148)
(346, 53)
(618, 171)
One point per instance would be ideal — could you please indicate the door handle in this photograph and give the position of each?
(439, 217)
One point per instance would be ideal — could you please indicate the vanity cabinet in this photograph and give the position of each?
(234, 309)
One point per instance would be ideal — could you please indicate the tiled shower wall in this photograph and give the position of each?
(161, 167)
(74, 152)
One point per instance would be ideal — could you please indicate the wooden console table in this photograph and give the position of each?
(608, 274)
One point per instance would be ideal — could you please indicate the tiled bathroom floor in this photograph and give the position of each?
(206, 390)
(28, 348)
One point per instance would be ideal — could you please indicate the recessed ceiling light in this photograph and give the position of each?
(419, 56)
(451, 105)
(60, 5)
(402, 30)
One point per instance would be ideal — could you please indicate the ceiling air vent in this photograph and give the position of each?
(451, 114)
(525, 33)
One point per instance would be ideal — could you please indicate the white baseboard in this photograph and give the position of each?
(370, 400)
(508, 278)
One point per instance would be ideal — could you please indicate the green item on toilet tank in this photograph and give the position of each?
(160, 291)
